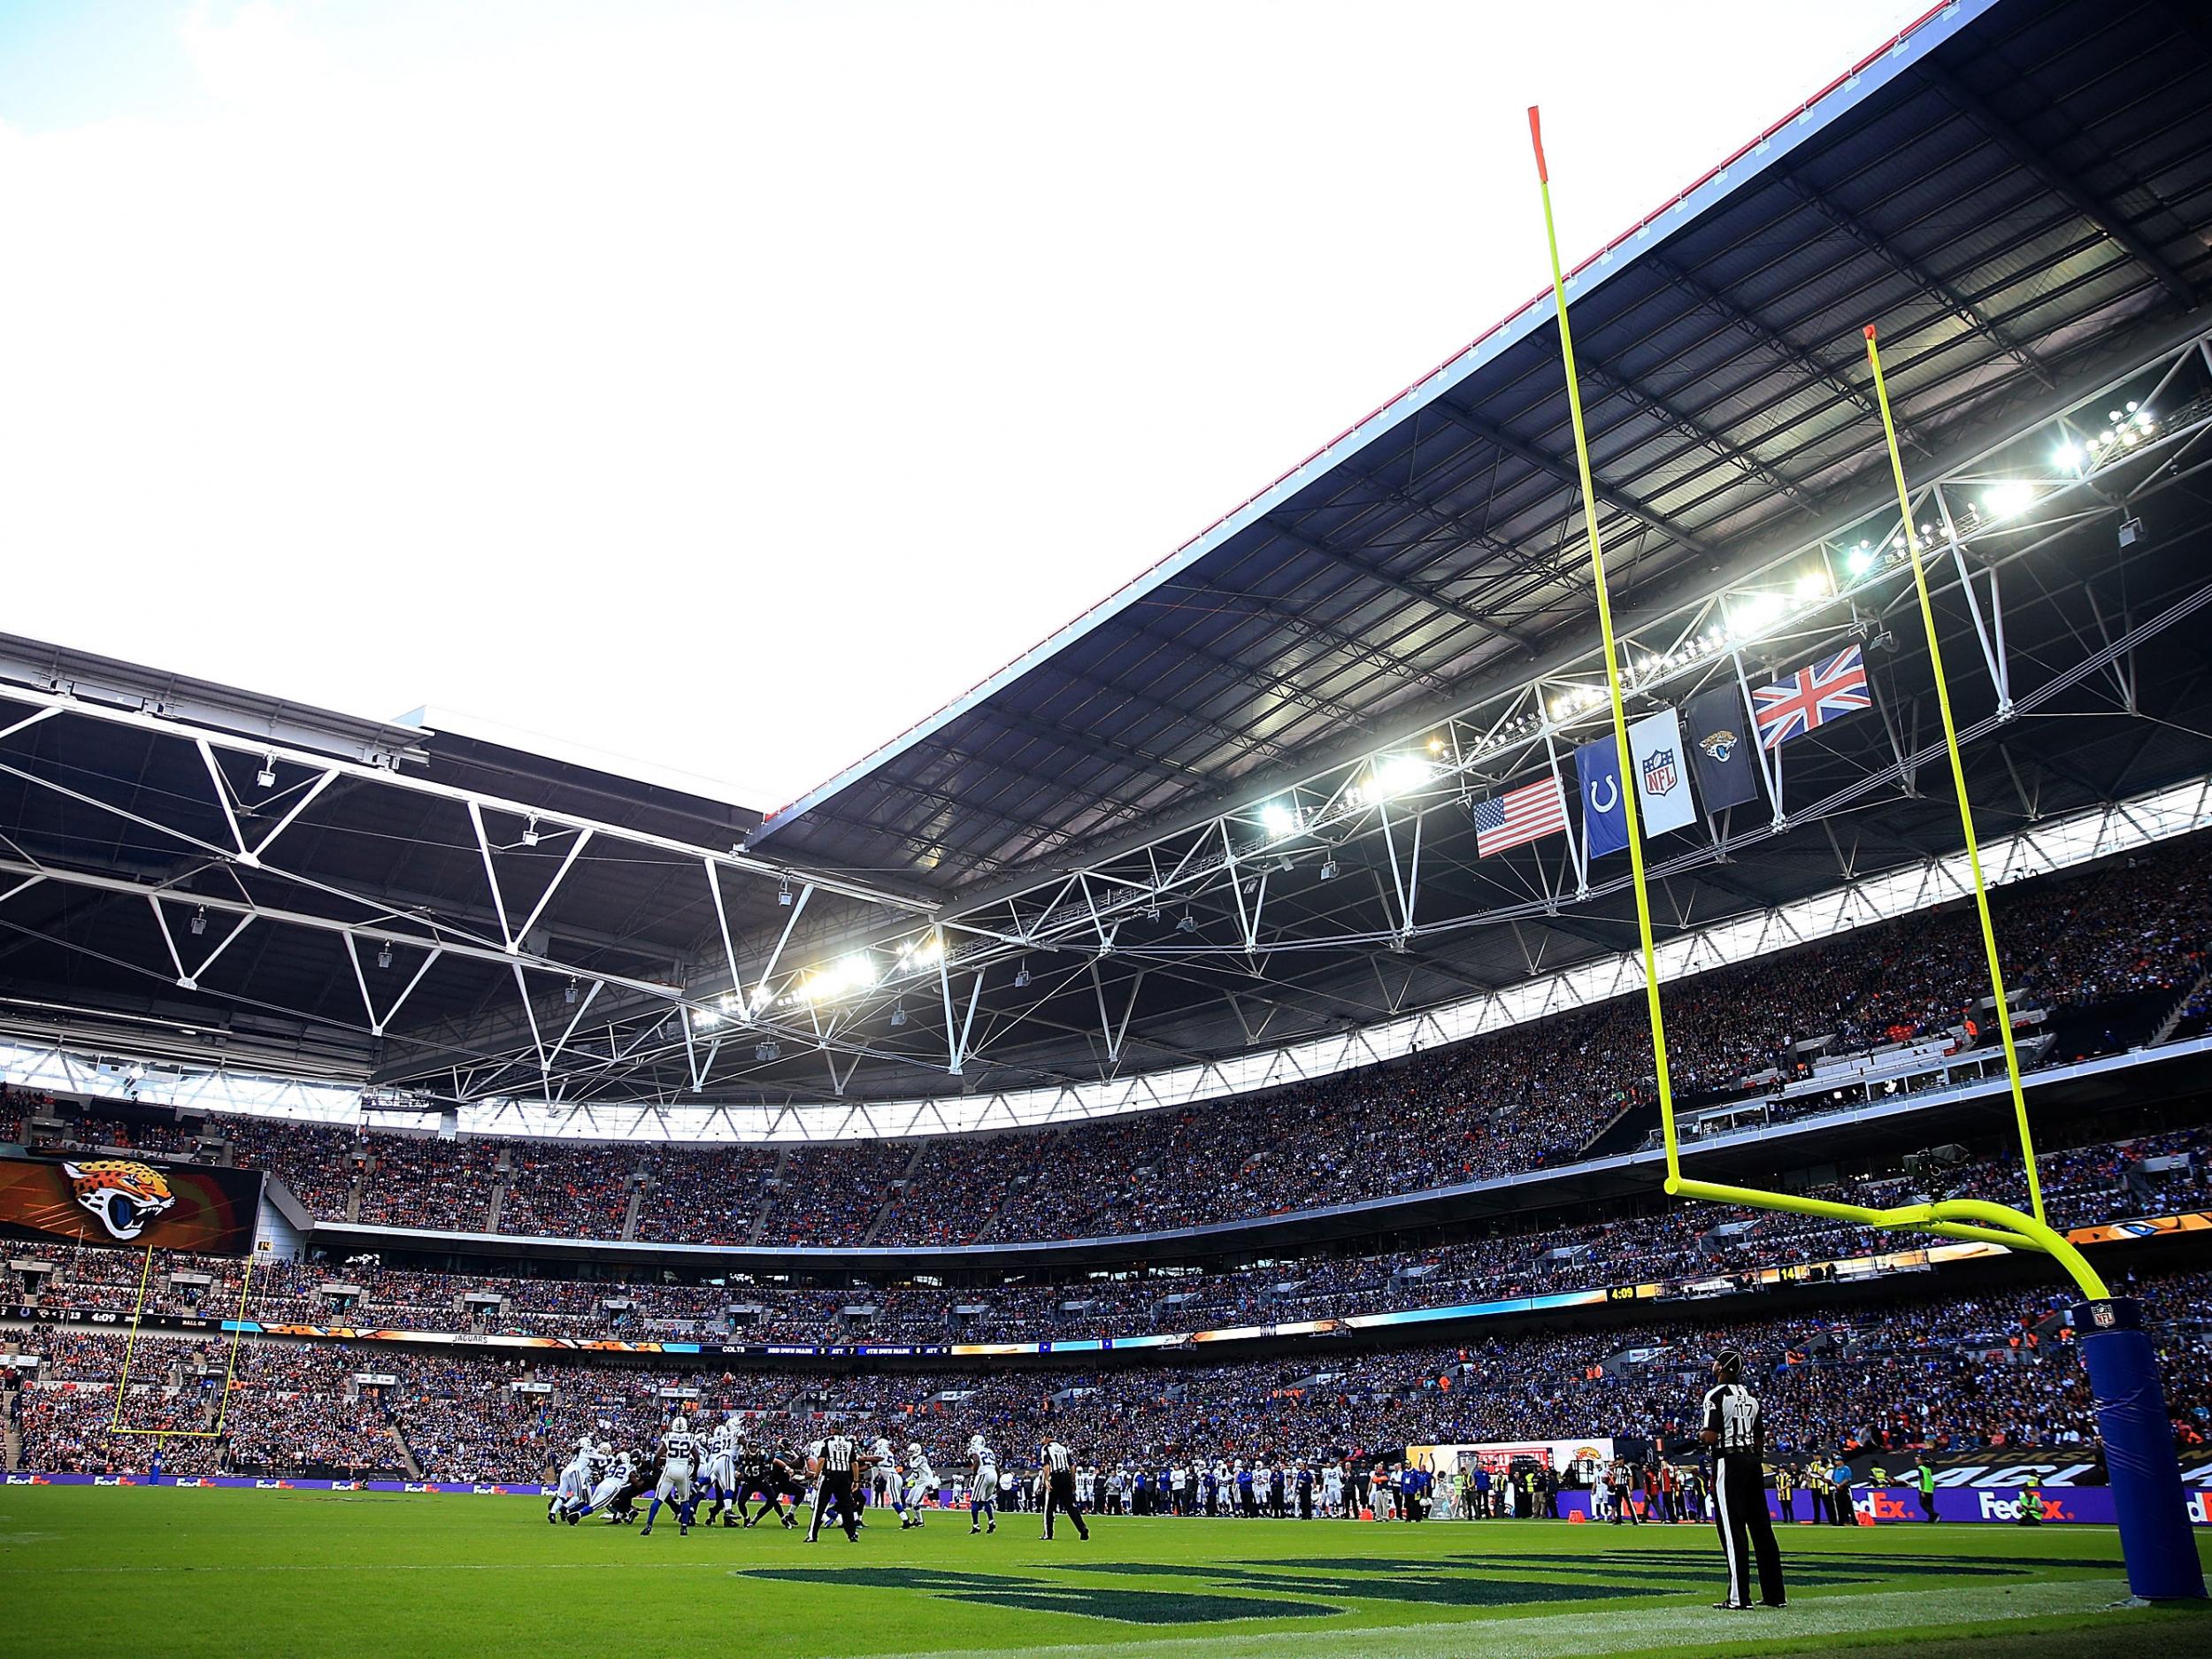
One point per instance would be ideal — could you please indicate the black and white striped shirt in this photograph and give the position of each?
(838, 1453)
(1057, 1458)
(1733, 1415)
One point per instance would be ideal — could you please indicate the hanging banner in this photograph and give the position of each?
(126, 1204)
(1663, 774)
(1604, 817)
(1727, 775)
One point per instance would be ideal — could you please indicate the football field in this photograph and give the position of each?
(201, 1572)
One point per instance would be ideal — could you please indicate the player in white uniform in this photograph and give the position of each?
(983, 1495)
(575, 1483)
(612, 1474)
(921, 1483)
(883, 1484)
(681, 1447)
(1332, 1489)
(719, 1477)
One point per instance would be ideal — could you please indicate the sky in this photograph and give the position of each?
(729, 387)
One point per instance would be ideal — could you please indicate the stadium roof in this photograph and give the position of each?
(2018, 193)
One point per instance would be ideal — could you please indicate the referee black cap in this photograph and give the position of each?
(1730, 1362)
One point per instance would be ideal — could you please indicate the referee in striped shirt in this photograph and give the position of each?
(1736, 1430)
(1060, 1488)
(834, 1460)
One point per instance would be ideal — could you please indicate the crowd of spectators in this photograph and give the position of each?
(1941, 1371)
(2165, 1171)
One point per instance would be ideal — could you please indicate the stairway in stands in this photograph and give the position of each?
(2164, 1030)
(894, 1193)
(406, 1452)
(770, 1190)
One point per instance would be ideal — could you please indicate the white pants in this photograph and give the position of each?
(721, 1471)
(602, 1494)
(675, 1481)
(987, 1485)
(884, 1487)
(572, 1485)
(918, 1488)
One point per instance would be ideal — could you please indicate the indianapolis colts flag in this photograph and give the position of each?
(1604, 818)
(1663, 774)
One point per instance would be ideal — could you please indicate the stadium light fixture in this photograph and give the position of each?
(568, 992)
(530, 834)
(898, 1013)
(1328, 870)
(384, 957)
(1188, 924)
(1021, 977)
(2071, 457)
(1859, 560)
(267, 776)
(199, 921)
(1812, 586)
(783, 893)
(706, 1019)
(2008, 500)
(1390, 776)
(1278, 819)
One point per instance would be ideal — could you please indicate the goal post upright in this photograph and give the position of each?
(2156, 1538)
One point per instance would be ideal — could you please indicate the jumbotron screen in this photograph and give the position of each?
(126, 1203)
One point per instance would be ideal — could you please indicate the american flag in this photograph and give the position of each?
(1812, 696)
(1526, 814)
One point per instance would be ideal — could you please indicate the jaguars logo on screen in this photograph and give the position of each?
(125, 1195)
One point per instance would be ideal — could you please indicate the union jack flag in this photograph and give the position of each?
(1810, 697)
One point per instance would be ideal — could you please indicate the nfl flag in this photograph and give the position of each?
(1663, 774)
(1526, 814)
(1604, 818)
(1725, 774)
(1811, 697)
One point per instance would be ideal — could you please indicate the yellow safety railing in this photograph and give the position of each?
(1956, 1218)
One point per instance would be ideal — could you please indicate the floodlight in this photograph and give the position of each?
(267, 776)
(530, 834)
(199, 920)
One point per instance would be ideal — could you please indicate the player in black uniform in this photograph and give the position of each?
(1736, 1430)
(1059, 1465)
(835, 1464)
(773, 1479)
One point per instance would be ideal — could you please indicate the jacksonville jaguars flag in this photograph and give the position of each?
(1719, 747)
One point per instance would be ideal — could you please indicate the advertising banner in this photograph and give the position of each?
(1563, 1456)
(126, 1204)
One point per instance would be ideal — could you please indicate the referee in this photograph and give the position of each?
(1060, 1488)
(1736, 1430)
(835, 1459)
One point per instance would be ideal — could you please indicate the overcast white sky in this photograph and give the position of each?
(730, 386)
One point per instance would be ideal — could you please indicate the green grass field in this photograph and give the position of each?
(201, 1572)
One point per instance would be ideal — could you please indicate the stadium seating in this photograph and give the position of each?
(1945, 1371)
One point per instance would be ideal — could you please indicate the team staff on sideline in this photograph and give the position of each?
(1735, 1430)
